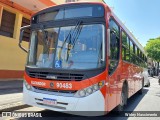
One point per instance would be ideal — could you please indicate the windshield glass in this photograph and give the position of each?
(71, 47)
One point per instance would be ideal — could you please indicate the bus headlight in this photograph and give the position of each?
(89, 90)
(82, 93)
(27, 85)
(95, 87)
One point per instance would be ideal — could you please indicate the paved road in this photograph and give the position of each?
(10, 86)
(10, 94)
(149, 101)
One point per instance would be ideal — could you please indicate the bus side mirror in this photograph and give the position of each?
(21, 37)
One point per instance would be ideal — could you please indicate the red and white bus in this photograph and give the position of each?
(81, 58)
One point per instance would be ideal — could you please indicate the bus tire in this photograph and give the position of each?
(123, 100)
(149, 84)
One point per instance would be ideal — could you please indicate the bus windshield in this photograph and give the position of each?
(69, 47)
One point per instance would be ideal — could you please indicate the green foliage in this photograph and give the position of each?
(153, 49)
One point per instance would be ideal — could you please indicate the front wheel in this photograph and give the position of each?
(123, 99)
(148, 85)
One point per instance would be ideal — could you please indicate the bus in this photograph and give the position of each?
(81, 57)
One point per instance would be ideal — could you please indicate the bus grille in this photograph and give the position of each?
(56, 76)
(53, 90)
(67, 93)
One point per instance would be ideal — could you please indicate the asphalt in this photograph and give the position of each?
(11, 100)
(11, 86)
(148, 103)
(11, 95)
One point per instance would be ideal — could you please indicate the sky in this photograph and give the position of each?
(141, 17)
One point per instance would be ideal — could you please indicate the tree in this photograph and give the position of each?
(153, 49)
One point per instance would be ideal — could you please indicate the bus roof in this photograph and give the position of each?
(112, 13)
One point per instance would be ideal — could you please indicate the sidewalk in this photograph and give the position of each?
(8, 101)
(11, 94)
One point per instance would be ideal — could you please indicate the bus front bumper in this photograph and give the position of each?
(92, 105)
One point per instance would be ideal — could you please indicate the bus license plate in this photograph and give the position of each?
(49, 101)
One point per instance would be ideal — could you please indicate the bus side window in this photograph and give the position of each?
(114, 45)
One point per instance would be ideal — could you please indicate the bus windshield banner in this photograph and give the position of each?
(74, 12)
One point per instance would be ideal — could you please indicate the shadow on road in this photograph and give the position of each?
(132, 104)
(158, 94)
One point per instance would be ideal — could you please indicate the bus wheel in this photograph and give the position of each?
(123, 99)
(141, 90)
(149, 84)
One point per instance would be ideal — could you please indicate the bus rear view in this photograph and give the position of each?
(66, 62)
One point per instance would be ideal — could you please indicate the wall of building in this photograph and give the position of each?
(12, 58)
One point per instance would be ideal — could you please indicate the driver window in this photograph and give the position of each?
(46, 47)
(114, 45)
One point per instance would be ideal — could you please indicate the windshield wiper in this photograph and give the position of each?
(69, 36)
(76, 35)
(74, 38)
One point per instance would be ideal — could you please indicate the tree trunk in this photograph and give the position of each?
(158, 69)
